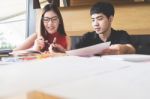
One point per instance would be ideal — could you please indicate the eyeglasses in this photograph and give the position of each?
(52, 19)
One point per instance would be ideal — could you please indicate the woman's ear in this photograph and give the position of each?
(111, 18)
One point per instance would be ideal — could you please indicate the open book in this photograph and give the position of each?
(25, 53)
(90, 50)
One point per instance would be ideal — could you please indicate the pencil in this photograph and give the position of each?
(54, 40)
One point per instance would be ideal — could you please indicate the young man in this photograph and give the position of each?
(102, 14)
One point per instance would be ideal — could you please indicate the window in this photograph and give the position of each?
(12, 23)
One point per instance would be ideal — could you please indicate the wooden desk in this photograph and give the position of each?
(34, 95)
(40, 95)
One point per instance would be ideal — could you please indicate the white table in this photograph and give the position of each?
(78, 78)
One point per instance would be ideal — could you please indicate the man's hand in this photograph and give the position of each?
(117, 49)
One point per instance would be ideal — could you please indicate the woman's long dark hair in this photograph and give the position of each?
(61, 30)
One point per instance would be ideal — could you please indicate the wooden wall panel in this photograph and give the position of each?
(82, 2)
(90, 2)
(133, 18)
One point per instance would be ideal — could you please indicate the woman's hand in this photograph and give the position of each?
(56, 48)
(39, 43)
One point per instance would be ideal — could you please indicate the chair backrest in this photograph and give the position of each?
(141, 43)
(74, 41)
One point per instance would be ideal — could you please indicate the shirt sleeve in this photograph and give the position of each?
(84, 41)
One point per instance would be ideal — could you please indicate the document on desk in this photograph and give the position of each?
(90, 50)
(131, 82)
(51, 72)
(129, 57)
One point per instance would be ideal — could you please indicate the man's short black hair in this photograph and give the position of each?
(103, 7)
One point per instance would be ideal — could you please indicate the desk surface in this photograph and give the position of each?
(78, 78)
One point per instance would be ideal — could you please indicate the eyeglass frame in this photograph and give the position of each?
(53, 19)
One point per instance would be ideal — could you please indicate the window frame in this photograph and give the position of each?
(31, 18)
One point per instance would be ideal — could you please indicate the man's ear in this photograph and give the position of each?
(111, 18)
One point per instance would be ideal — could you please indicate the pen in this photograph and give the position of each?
(54, 40)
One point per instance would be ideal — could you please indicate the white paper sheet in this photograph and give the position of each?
(125, 83)
(34, 75)
(90, 50)
(76, 77)
(129, 57)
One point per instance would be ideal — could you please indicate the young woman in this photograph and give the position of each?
(52, 34)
